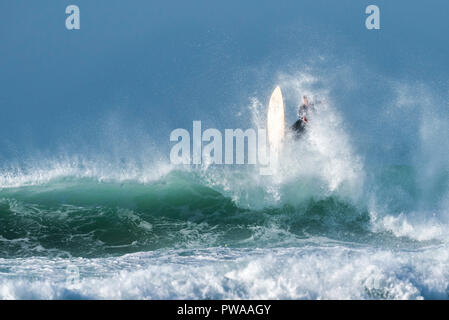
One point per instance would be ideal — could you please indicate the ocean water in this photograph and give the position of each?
(92, 208)
(189, 235)
(322, 226)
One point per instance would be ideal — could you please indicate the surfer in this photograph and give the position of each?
(300, 125)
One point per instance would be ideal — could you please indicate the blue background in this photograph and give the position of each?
(139, 69)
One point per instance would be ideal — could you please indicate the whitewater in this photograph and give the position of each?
(329, 224)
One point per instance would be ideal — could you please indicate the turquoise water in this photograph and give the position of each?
(197, 233)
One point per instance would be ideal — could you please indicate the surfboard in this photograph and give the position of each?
(276, 121)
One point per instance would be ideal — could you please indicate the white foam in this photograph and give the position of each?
(326, 272)
(323, 162)
(45, 171)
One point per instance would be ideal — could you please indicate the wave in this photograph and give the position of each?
(90, 207)
(328, 224)
(86, 217)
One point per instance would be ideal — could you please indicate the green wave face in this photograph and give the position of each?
(87, 218)
(84, 217)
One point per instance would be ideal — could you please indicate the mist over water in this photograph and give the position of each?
(137, 219)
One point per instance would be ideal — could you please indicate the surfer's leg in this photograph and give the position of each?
(298, 128)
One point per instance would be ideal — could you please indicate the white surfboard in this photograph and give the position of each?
(276, 122)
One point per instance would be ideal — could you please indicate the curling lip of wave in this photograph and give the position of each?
(85, 217)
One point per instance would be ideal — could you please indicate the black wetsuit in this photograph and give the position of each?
(299, 126)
